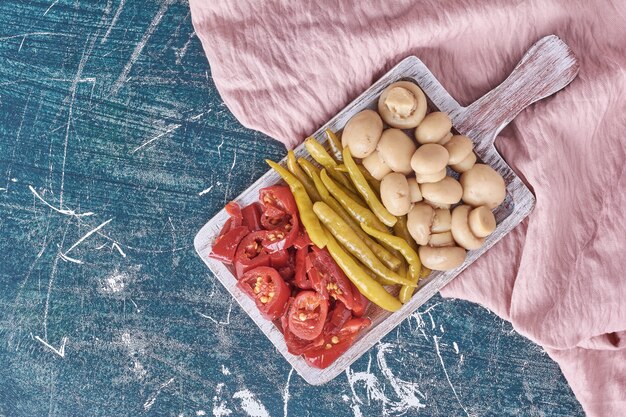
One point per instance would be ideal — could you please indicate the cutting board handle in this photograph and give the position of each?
(548, 66)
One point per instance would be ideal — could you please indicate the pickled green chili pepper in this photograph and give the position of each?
(366, 191)
(335, 144)
(388, 258)
(358, 212)
(367, 286)
(400, 229)
(401, 245)
(350, 240)
(305, 205)
(406, 292)
(295, 169)
(373, 182)
(319, 153)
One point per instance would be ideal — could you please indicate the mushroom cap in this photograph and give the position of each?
(402, 105)
(481, 221)
(396, 149)
(441, 239)
(442, 258)
(441, 221)
(460, 229)
(429, 159)
(446, 191)
(394, 193)
(466, 164)
(433, 128)
(482, 185)
(459, 147)
(362, 132)
(375, 165)
(415, 195)
(445, 139)
(425, 178)
(418, 222)
(437, 205)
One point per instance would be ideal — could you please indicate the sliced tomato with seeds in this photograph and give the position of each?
(328, 279)
(295, 345)
(252, 216)
(307, 315)
(268, 290)
(225, 246)
(335, 344)
(280, 217)
(280, 197)
(274, 218)
(251, 253)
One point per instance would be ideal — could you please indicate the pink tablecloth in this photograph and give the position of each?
(284, 67)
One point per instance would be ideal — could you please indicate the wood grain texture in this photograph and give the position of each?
(141, 327)
(546, 68)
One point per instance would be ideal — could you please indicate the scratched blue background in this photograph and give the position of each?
(109, 120)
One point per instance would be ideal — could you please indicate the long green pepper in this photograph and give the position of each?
(305, 205)
(334, 144)
(401, 245)
(366, 285)
(358, 212)
(295, 169)
(388, 258)
(350, 240)
(321, 155)
(366, 191)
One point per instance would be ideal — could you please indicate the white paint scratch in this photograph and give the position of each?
(67, 212)
(62, 211)
(219, 148)
(226, 322)
(116, 246)
(225, 370)
(70, 259)
(249, 404)
(79, 72)
(429, 308)
(286, 395)
(205, 191)
(60, 351)
(116, 16)
(404, 390)
(150, 401)
(180, 54)
(432, 322)
(201, 413)
(170, 129)
(21, 35)
(89, 233)
(456, 347)
(445, 371)
(51, 6)
(139, 47)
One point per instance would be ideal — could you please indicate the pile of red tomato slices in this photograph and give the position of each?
(290, 279)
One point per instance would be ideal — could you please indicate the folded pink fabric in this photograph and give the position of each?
(285, 67)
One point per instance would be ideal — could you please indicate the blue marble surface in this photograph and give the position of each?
(115, 148)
